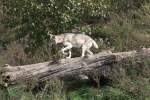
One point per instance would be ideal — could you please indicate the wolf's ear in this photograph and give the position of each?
(51, 35)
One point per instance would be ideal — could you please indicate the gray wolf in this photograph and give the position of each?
(70, 40)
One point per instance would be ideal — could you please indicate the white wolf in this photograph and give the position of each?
(70, 40)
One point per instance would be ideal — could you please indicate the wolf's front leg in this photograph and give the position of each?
(63, 52)
(69, 54)
(68, 47)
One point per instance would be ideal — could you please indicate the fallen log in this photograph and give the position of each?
(67, 67)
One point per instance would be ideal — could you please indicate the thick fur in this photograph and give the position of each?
(70, 40)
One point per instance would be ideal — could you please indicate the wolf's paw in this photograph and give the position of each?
(89, 55)
(68, 57)
(83, 57)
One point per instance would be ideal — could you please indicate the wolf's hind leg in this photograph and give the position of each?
(89, 45)
(83, 50)
(89, 51)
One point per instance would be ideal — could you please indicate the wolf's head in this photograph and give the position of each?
(50, 35)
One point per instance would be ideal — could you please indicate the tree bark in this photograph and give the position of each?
(68, 67)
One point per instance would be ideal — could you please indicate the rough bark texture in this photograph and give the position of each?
(68, 67)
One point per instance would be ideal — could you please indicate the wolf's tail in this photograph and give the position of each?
(95, 44)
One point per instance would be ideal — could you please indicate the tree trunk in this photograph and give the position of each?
(68, 67)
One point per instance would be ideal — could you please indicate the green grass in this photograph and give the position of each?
(104, 93)
(85, 93)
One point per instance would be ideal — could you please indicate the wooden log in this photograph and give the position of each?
(67, 67)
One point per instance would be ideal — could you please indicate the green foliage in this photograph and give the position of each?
(32, 19)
